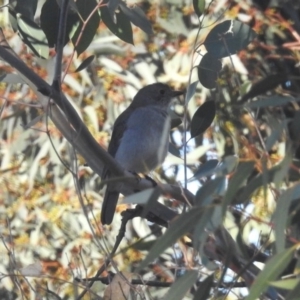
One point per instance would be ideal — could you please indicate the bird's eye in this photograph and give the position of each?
(162, 92)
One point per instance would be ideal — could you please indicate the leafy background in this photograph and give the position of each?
(241, 129)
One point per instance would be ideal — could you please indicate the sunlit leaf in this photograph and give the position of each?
(203, 118)
(33, 36)
(199, 7)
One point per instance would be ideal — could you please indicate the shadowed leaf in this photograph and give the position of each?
(203, 118)
(137, 17)
(85, 63)
(228, 38)
(208, 71)
(264, 85)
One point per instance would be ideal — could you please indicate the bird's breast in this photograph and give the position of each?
(144, 144)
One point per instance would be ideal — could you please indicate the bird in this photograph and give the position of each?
(140, 138)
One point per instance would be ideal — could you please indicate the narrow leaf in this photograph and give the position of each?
(181, 286)
(137, 17)
(281, 215)
(271, 271)
(264, 85)
(242, 172)
(85, 63)
(121, 28)
(183, 224)
(206, 169)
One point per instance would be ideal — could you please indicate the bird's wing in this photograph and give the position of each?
(117, 134)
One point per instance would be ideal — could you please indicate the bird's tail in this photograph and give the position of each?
(109, 206)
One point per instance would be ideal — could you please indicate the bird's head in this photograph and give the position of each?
(157, 94)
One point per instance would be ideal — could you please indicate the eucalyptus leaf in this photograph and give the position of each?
(183, 224)
(121, 27)
(244, 169)
(280, 215)
(85, 63)
(228, 37)
(33, 36)
(271, 271)
(181, 286)
(199, 7)
(203, 118)
(206, 169)
(86, 33)
(208, 71)
(137, 17)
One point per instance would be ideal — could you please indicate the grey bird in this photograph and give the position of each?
(140, 138)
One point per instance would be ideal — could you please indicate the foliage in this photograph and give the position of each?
(238, 144)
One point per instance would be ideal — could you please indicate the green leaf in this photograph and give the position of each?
(287, 284)
(181, 286)
(208, 71)
(137, 17)
(183, 224)
(209, 191)
(294, 294)
(85, 8)
(271, 271)
(244, 169)
(33, 36)
(228, 38)
(199, 7)
(203, 118)
(122, 28)
(281, 215)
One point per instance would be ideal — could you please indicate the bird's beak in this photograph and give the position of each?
(177, 93)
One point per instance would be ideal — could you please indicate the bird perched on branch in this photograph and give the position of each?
(140, 138)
